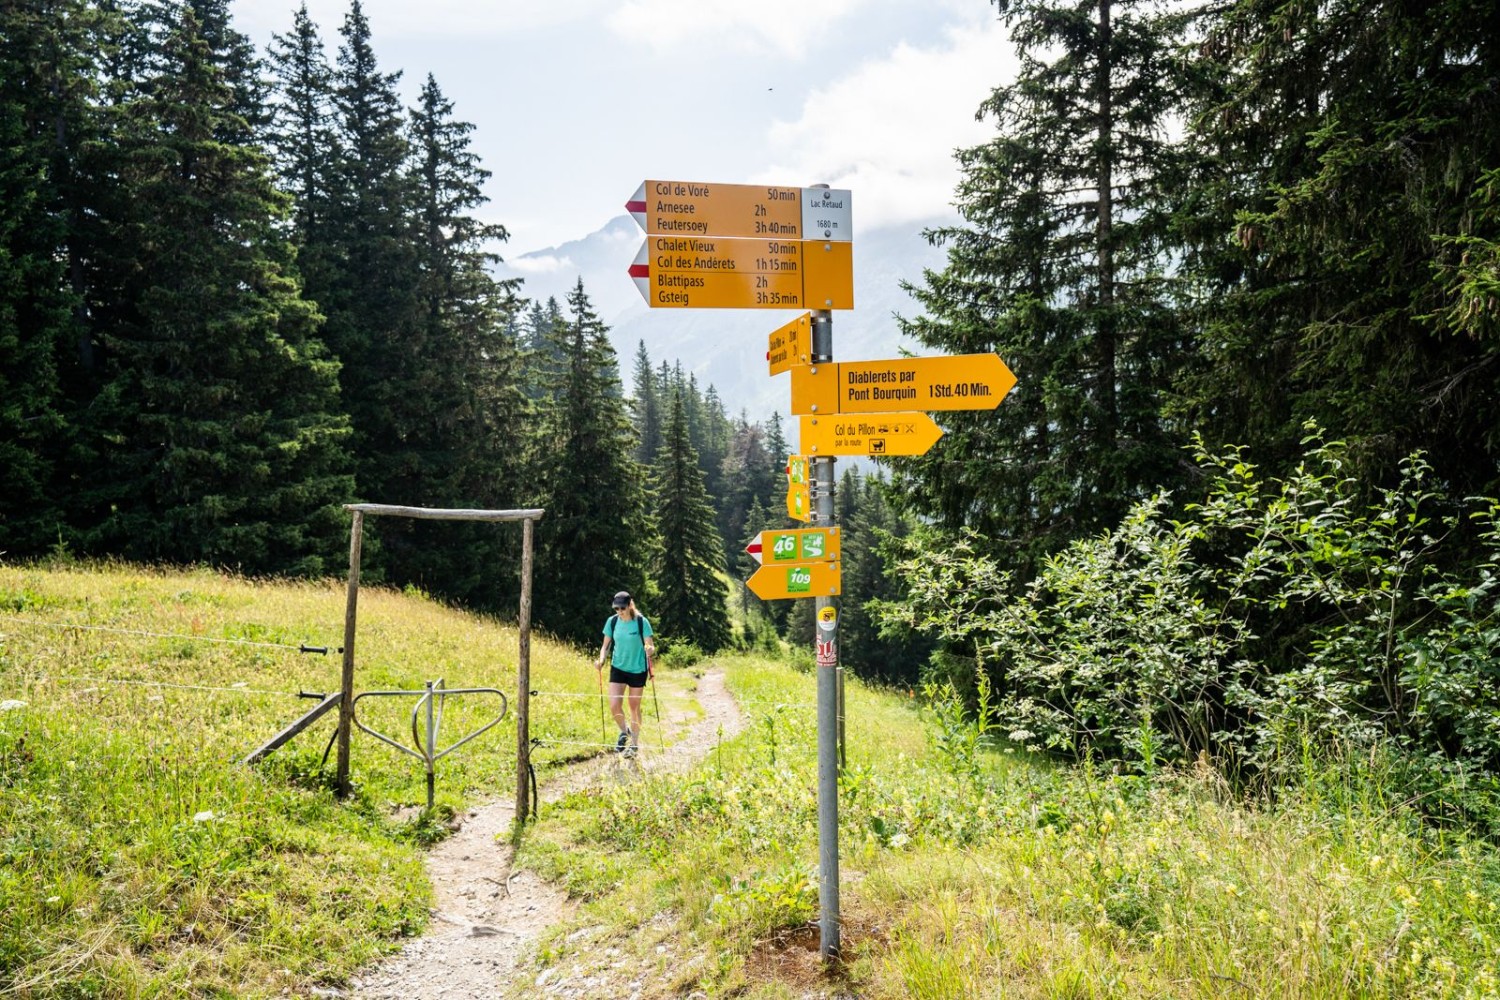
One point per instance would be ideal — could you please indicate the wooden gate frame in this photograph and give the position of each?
(523, 722)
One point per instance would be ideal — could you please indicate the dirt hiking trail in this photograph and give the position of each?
(485, 915)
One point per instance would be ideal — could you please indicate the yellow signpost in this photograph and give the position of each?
(720, 273)
(819, 579)
(799, 545)
(687, 208)
(956, 382)
(798, 490)
(742, 246)
(799, 503)
(885, 434)
(789, 345)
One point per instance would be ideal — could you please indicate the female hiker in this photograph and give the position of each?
(629, 633)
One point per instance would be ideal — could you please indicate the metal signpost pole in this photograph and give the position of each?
(826, 638)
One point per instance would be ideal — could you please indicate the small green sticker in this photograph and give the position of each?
(812, 546)
(798, 580)
(784, 548)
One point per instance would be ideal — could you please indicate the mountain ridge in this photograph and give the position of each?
(726, 348)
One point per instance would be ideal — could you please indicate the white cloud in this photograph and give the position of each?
(430, 18)
(787, 27)
(542, 263)
(888, 130)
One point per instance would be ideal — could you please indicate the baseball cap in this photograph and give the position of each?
(622, 600)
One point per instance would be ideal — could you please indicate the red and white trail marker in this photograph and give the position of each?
(753, 550)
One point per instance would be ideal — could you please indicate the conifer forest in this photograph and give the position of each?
(1243, 258)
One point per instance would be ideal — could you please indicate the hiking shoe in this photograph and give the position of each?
(631, 750)
(621, 742)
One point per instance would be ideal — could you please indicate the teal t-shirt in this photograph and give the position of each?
(629, 650)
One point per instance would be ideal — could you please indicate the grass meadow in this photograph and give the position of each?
(139, 858)
(993, 874)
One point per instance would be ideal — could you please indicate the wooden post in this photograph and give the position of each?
(346, 705)
(523, 695)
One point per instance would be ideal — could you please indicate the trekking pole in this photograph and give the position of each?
(651, 676)
(603, 732)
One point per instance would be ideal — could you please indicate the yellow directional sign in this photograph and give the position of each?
(798, 489)
(820, 579)
(957, 382)
(790, 344)
(799, 545)
(884, 434)
(799, 502)
(714, 272)
(716, 253)
(687, 208)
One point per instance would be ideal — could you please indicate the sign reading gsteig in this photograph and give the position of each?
(715, 272)
(956, 382)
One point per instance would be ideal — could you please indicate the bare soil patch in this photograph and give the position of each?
(487, 916)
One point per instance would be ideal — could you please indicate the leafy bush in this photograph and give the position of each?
(1274, 611)
(680, 654)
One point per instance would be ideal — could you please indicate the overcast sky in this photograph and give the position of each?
(578, 101)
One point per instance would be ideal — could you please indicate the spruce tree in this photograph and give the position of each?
(1343, 236)
(596, 537)
(867, 523)
(218, 424)
(689, 592)
(469, 377)
(303, 141)
(240, 68)
(46, 78)
(648, 417)
(750, 476)
(370, 297)
(1059, 268)
(541, 362)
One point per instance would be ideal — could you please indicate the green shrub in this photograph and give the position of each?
(1274, 610)
(680, 654)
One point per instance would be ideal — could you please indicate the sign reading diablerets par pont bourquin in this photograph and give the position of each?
(741, 246)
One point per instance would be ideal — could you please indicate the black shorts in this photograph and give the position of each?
(618, 676)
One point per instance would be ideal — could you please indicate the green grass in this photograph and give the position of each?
(138, 858)
(1023, 879)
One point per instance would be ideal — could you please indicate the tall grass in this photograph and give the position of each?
(138, 857)
(1016, 877)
